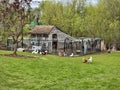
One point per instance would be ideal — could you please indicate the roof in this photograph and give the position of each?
(42, 29)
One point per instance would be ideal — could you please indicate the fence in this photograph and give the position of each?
(78, 46)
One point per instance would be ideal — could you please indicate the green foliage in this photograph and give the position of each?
(26, 29)
(78, 18)
(66, 17)
(109, 11)
(50, 72)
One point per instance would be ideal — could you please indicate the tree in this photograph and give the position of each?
(3, 32)
(103, 20)
(14, 18)
(65, 16)
(78, 18)
(109, 11)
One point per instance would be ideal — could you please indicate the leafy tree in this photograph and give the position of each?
(109, 11)
(102, 20)
(64, 16)
(78, 18)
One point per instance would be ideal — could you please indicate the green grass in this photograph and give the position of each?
(51, 72)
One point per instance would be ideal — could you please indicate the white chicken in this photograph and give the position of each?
(72, 55)
(90, 60)
(35, 52)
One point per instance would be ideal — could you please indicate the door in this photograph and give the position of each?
(54, 42)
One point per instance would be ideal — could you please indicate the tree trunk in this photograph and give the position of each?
(15, 48)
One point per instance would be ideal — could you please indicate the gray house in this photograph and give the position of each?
(50, 38)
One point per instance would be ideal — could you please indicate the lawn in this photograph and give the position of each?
(49, 72)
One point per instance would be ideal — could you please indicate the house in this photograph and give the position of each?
(50, 38)
(54, 40)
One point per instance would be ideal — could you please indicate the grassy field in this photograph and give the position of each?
(49, 72)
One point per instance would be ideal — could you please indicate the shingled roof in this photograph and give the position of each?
(41, 29)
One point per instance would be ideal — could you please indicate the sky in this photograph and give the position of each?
(36, 4)
(93, 1)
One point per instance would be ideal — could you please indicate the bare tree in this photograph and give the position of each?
(15, 14)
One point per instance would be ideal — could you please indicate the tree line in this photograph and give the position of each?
(76, 17)
(81, 19)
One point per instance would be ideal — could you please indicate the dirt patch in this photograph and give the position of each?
(18, 56)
